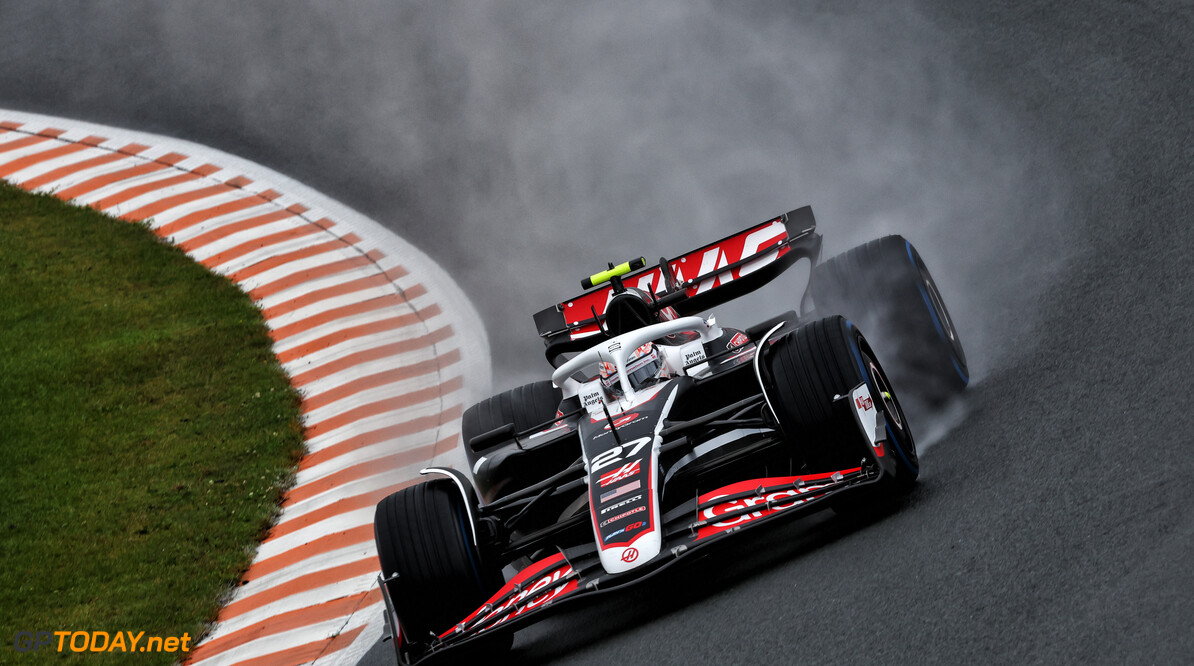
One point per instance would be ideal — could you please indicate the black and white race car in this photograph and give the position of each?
(661, 432)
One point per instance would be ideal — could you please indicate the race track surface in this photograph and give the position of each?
(1039, 155)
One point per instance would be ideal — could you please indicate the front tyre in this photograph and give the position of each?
(424, 536)
(810, 367)
(885, 287)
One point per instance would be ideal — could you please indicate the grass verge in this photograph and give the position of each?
(146, 429)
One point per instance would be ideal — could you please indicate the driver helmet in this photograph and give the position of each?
(643, 368)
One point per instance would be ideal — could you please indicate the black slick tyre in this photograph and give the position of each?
(424, 536)
(523, 407)
(885, 288)
(807, 368)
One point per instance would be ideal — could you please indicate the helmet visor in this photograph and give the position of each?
(642, 370)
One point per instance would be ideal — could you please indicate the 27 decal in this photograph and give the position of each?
(614, 455)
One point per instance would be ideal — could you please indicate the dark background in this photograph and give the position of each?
(1039, 155)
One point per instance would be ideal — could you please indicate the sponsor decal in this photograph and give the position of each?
(738, 340)
(614, 346)
(760, 245)
(591, 398)
(621, 504)
(623, 420)
(644, 396)
(533, 593)
(868, 417)
(628, 529)
(738, 248)
(538, 584)
(622, 473)
(620, 516)
(621, 490)
(781, 500)
(776, 498)
(630, 554)
(695, 356)
(619, 423)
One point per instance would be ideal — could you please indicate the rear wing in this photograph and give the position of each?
(694, 282)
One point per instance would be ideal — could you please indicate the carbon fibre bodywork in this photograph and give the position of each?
(620, 485)
(572, 575)
(716, 476)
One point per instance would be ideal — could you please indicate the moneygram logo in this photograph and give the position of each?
(99, 641)
(622, 420)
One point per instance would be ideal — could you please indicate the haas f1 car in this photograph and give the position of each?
(662, 432)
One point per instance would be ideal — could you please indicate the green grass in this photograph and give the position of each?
(146, 430)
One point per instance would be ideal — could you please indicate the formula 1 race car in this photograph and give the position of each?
(662, 432)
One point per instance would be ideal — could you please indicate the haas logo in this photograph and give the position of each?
(865, 404)
(630, 555)
(624, 472)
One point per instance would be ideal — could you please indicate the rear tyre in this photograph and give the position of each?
(884, 287)
(524, 406)
(811, 365)
(423, 534)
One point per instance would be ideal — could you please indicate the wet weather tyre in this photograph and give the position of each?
(885, 288)
(806, 369)
(424, 536)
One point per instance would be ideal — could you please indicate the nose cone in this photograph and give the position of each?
(620, 559)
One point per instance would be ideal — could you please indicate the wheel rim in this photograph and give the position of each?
(877, 380)
(891, 407)
(938, 305)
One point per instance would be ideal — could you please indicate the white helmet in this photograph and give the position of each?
(643, 368)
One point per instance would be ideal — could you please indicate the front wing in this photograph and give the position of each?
(576, 573)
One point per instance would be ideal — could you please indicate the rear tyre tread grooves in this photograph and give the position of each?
(878, 287)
